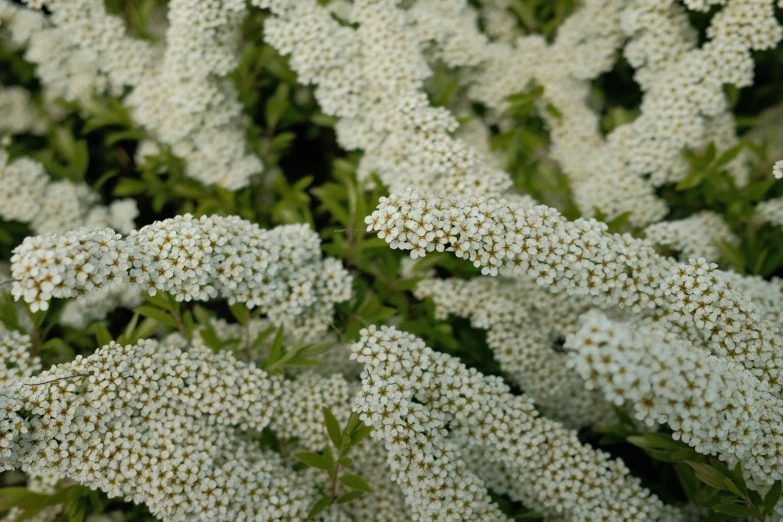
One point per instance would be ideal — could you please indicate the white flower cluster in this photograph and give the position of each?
(186, 103)
(27, 194)
(157, 425)
(770, 211)
(280, 270)
(699, 235)
(176, 430)
(413, 397)
(727, 320)
(582, 258)
(177, 95)
(526, 325)
(65, 69)
(777, 169)
(683, 106)
(18, 113)
(372, 78)
(97, 305)
(712, 404)
(16, 363)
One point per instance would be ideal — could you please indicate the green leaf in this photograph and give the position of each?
(355, 482)
(276, 105)
(738, 479)
(352, 424)
(329, 456)
(51, 344)
(345, 462)
(736, 510)
(129, 187)
(314, 460)
(303, 363)
(262, 336)
(276, 351)
(772, 497)
(102, 334)
(321, 504)
(657, 442)
(22, 498)
(147, 327)
(123, 135)
(239, 311)
(755, 499)
(729, 154)
(188, 322)
(690, 484)
(694, 178)
(351, 495)
(708, 475)
(359, 434)
(159, 315)
(333, 427)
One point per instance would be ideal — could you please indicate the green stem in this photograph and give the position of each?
(246, 344)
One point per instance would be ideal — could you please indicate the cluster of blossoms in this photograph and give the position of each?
(770, 211)
(16, 363)
(712, 404)
(582, 258)
(372, 79)
(29, 195)
(526, 325)
(22, 114)
(280, 271)
(700, 235)
(64, 69)
(413, 397)
(683, 104)
(177, 95)
(176, 430)
(157, 425)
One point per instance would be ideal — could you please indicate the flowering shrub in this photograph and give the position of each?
(373, 261)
